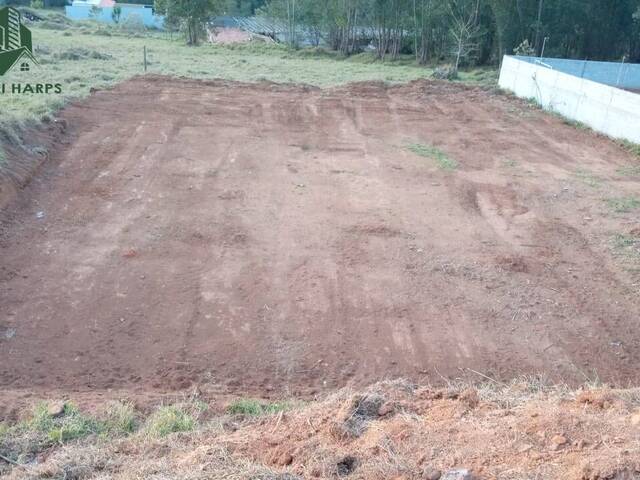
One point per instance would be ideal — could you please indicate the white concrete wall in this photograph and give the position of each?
(621, 75)
(606, 109)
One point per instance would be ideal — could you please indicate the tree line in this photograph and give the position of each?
(462, 32)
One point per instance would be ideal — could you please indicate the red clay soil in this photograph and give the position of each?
(268, 238)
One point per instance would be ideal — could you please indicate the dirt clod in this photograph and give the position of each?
(386, 409)
(470, 397)
(284, 459)
(599, 399)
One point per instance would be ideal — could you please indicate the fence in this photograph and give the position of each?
(569, 87)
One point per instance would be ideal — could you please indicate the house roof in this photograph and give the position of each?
(10, 58)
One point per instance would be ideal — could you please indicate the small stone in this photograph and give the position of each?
(458, 474)
(431, 474)
(56, 409)
(635, 419)
(559, 440)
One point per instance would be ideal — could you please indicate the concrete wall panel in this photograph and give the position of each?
(604, 108)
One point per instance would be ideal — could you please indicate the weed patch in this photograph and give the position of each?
(70, 425)
(626, 246)
(630, 146)
(428, 151)
(252, 407)
(629, 171)
(170, 419)
(120, 418)
(623, 204)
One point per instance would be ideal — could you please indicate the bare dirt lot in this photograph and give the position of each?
(285, 239)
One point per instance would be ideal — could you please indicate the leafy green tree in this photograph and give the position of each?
(190, 15)
(432, 30)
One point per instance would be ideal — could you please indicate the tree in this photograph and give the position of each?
(286, 12)
(116, 13)
(242, 8)
(464, 28)
(471, 31)
(191, 15)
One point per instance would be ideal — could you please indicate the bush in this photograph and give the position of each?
(446, 72)
(133, 24)
(81, 53)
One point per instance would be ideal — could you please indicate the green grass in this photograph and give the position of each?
(574, 123)
(254, 408)
(69, 426)
(170, 419)
(630, 146)
(41, 430)
(623, 204)
(429, 151)
(626, 246)
(629, 171)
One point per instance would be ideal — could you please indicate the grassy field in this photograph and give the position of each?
(86, 55)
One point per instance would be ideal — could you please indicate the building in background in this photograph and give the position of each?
(103, 11)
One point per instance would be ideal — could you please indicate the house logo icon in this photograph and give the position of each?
(15, 42)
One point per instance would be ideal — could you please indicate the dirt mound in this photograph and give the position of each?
(289, 239)
(520, 431)
(228, 35)
(25, 149)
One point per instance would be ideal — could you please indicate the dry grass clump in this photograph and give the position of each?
(527, 429)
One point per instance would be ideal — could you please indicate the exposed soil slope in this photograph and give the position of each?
(284, 238)
(393, 430)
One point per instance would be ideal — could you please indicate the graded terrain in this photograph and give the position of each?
(291, 239)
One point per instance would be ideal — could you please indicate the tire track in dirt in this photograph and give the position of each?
(276, 238)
